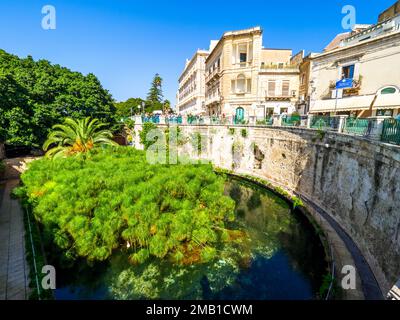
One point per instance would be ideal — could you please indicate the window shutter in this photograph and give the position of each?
(271, 88)
(285, 88)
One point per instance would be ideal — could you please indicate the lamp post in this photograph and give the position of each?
(143, 105)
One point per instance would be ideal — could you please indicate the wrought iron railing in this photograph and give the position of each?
(391, 131)
(153, 119)
(359, 126)
(173, 120)
(325, 123)
(291, 121)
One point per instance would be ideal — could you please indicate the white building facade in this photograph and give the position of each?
(371, 58)
(191, 92)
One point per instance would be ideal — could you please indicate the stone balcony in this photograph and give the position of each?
(212, 100)
(213, 74)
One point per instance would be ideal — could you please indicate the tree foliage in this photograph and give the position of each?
(35, 95)
(94, 205)
(129, 107)
(155, 95)
(77, 136)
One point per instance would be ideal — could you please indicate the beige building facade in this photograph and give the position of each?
(371, 57)
(244, 79)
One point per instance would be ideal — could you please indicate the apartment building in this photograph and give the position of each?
(278, 82)
(244, 79)
(369, 56)
(191, 92)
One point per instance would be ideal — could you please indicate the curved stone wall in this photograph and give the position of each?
(356, 181)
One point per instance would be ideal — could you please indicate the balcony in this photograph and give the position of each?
(212, 100)
(214, 73)
(279, 68)
(348, 92)
(282, 96)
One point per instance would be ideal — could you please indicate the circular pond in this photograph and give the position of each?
(278, 255)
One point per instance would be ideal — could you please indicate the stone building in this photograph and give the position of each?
(390, 12)
(244, 79)
(303, 103)
(369, 56)
(191, 92)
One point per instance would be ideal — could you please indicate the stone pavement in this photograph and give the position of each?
(13, 266)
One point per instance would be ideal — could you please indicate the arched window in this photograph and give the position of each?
(388, 90)
(241, 83)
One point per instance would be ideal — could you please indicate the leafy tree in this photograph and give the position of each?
(155, 95)
(35, 95)
(127, 108)
(76, 136)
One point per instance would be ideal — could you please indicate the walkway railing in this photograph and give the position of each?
(375, 128)
(325, 123)
(291, 121)
(359, 126)
(391, 131)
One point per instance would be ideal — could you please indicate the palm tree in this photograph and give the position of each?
(76, 136)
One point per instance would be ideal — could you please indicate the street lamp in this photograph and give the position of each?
(143, 105)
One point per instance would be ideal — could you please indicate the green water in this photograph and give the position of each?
(280, 258)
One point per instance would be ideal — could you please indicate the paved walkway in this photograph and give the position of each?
(13, 266)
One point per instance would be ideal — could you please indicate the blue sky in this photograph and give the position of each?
(125, 42)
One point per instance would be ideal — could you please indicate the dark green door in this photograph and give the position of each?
(239, 117)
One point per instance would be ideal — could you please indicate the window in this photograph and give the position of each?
(280, 65)
(348, 72)
(271, 88)
(242, 54)
(388, 90)
(382, 112)
(285, 88)
(241, 84)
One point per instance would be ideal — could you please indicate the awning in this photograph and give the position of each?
(387, 101)
(354, 103)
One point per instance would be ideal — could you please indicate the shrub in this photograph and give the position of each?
(243, 132)
(231, 131)
(146, 128)
(112, 199)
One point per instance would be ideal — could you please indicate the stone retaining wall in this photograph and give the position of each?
(355, 180)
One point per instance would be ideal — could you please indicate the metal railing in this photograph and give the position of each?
(153, 119)
(391, 131)
(291, 121)
(374, 128)
(325, 123)
(359, 126)
(173, 120)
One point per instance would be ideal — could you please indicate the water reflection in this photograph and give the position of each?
(280, 257)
